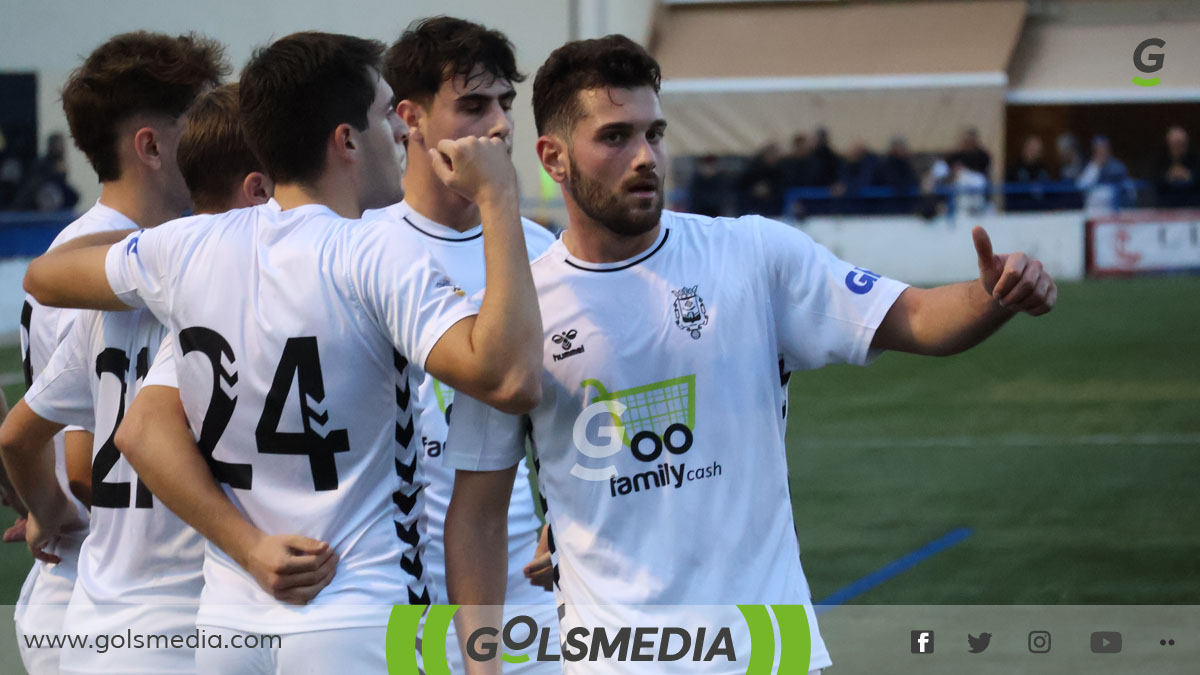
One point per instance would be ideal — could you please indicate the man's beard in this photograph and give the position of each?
(606, 208)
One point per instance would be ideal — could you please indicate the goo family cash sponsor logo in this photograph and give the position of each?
(655, 422)
(768, 626)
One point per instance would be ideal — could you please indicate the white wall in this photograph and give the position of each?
(51, 37)
(941, 251)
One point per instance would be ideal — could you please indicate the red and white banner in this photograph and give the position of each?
(1144, 243)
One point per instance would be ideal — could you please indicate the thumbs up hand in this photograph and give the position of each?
(1017, 282)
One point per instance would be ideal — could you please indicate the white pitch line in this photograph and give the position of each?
(11, 378)
(1009, 440)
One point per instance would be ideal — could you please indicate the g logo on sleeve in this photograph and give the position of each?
(861, 281)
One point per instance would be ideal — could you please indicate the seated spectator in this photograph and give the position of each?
(798, 165)
(825, 163)
(1105, 180)
(1028, 172)
(708, 187)
(47, 188)
(760, 188)
(971, 153)
(897, 173)
(11, 172)
(857, 172)
(1177, 176)
(970, 188)
(1070, 160)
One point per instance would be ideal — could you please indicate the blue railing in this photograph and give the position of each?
(25, 234)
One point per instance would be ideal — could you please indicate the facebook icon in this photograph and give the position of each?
(922, 642)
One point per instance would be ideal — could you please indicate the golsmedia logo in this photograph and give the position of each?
(625, 644)
(1148, 62)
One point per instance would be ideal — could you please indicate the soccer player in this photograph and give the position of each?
(660, 435)
(140, 567)
(125, 108)
(454, 79)
(287, 323)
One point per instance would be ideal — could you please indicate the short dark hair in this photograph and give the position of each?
(297, 90)
(131, 74)
(611, 61)
(214, 156)
(440, 48)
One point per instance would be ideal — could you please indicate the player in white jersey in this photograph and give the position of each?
(660, 432)
(300, 310)
(140, 567)
(125, 107)
(453, 79)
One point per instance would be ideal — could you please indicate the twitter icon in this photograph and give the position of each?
(978, 644)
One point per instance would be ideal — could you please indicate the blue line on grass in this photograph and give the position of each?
(892, 569)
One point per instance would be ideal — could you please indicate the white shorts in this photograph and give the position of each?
(342, 651)
(42, 605)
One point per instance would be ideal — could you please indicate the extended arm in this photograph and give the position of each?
(73, 275)
(155, 438)
(951, 319)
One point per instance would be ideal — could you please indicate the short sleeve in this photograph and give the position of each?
(403, 289)
(482, 438)
(62, 393)
(137, 272)
(826, 310)
(162, 371)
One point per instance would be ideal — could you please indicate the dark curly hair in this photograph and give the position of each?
(440, 48)
(131, 74)
(611, 61)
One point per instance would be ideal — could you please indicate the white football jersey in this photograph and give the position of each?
(286, 324)
(659, 437)
(137, 552)
(461, 255)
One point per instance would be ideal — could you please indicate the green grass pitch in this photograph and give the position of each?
(1070, 445)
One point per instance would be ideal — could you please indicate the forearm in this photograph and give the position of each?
(164, 455)
(507, 335)
(73, 274)
(951, 319)
(28, 455)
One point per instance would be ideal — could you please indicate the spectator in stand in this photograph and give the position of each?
(1105, 180)
(857, 172)
(798, 165)
(10, 172)
(1177, 176)
(1027, 177)
(896, 171)
(971, 153)
(708, 188)
(825, 164)
(970, 188)
(1070, 160)
(47, 188)
(760, 189)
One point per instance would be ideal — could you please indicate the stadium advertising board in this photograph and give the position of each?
(1151, 243)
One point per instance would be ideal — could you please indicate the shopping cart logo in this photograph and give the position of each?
(690, 313)
(656, 422)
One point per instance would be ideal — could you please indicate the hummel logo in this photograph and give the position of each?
(563, 340)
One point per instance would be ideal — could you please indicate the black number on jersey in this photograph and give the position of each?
(220, 406)
(301, 362)
(116, 495)
(26, 363)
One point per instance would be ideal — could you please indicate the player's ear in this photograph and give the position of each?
(257, 188)
(414, 116)
(344, 143)
(552, 151)
(147, 147)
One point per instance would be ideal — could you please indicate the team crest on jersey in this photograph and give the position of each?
(690, 314)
